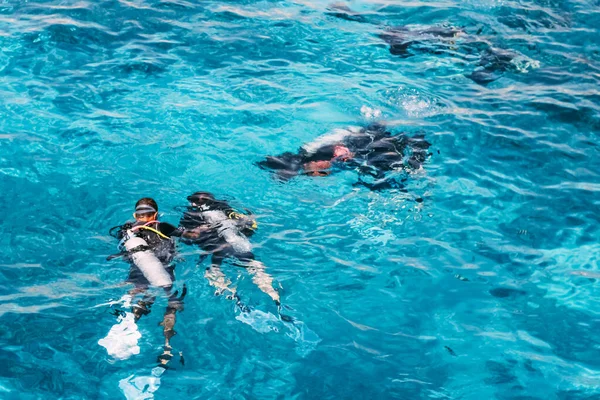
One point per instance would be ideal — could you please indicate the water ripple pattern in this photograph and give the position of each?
(478, 281)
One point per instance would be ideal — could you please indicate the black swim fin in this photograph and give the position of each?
(241, 305)
(284, 317)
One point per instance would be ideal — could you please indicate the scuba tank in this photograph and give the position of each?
(143, 258)
(228, 230)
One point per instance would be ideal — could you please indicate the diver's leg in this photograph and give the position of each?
(168, 323)
(261, 279)
(217, 278)
(142, 307)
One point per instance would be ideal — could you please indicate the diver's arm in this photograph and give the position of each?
(169, 230)
(194, 233)
(419, 147)
(116, 255)
(285, 166)
(182, 232)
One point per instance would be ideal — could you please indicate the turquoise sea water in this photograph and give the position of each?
(488, 289)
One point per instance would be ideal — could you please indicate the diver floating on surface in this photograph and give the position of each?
(148, 246)
(223, 233)
(372, 151)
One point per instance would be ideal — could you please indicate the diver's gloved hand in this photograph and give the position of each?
(191, 235)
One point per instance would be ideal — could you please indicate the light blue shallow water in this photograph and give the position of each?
(487, 289)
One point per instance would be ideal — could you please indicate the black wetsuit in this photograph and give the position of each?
(375, 152)
(163, 248)
(493, 62)
(211, 218)
(454, 41)
(405, 42)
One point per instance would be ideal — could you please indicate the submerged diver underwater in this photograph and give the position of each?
(491, 61)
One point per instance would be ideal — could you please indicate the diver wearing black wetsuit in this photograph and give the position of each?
(158, 236)
(158, 239)
(406, 42)
(372, 151)
(219, 230)
(493, 61)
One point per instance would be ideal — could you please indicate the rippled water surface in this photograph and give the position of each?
(487, 289)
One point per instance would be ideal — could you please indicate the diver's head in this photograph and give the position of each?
(317, 168)
(146, 210)
(199, 198)
(342, 153)
(328, 155)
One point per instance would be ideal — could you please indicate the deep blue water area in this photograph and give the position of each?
(485, 289)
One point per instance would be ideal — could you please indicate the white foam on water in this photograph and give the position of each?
(141, 387)
(413, 102)
(382, 215)
(370, 113)
(305, 338)
(265, 322)
(524, 64)
(260, 321)
(121, 342)
(124, 302)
